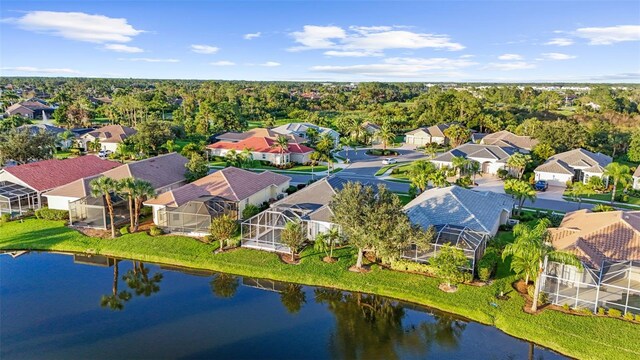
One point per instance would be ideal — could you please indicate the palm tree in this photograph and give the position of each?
(313, 160)
(312, 135)
(578, 190)
(326, 241)
(518, 162)
(474, 169)
(246, 158)
(126, 188)
(142, 190)
(345, 142)
(618, 174)
(460, 164)
(385, 135)
(105, 186)
(420, 173)
(520, 190)
(530, 249)
(439, 178)
(65, 137)
(282, 144)
(94, 145)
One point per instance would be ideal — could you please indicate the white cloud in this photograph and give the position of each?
(401, 67)
(513, 65)
(609, 35)
(204, 49)
(252, 36)
(373, 40)
(222, 63)
(31, 69)
(510, 57)
(270, 64)
(467, 56)
(77, 26)
(122, 48)
(560, 42)
(558, 56)
(150, 60)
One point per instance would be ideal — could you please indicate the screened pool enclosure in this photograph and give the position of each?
(16, 199)
(194, 217)
(471, 242)
(613, 285)
(92, 212)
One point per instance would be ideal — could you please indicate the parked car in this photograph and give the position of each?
(388, 161)
(104, 153)
(541, 185)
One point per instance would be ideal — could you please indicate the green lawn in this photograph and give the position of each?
(384, 169)
(607, 197)
(587, 337)
(403, 172)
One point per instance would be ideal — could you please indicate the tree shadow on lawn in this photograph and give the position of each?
(39, 239)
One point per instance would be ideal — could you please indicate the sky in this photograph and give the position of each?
(426, 41)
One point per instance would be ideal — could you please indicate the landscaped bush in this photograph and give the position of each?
(5, 218)
(602, 311)
(301, 186)
(146, 211)
(249, 211)
(585, 311)
(464, 182)
(543, 298)
(487, 264)
(566, 307)
(602, 208)
(124, 230)
(628, 316)
(614, 312)
(50, 214)
(502, 173)
(155, 231)
(411, 266)
(638, 317)
(381, 152)
(291, 189)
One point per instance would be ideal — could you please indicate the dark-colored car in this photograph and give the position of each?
(541, 185)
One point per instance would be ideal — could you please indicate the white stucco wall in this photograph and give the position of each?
(553, 179)
(59, 202)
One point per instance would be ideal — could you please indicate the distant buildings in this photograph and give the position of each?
(31, 109)
(109, 137)
(524, 144)
(427, 135)
(300, 129)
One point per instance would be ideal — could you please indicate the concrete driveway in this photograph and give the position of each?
(493, 183)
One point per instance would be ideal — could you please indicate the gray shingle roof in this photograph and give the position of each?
(577, 158)
(501, 154)
(435, 130)
(454, 205)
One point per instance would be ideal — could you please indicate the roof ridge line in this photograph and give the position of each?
(229, 184)
(469, 211)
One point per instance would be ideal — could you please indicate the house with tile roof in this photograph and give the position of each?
(427, 135)
(481, 211)
(110, 137)
(31, 109)
(259, 132)
(524, 144)
(636, 179)
(264, 149)
(22, 186)
(164, 172)
(574, 165)
(190, 208)
(310, 206)
(490, 157)
(608, 246)
(300, 129)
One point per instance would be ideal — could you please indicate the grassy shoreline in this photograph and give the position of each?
(587, 337)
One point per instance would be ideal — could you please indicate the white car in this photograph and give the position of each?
(104, 153)
(389, 161)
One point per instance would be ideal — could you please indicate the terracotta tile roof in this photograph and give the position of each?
(507, 138)
(259, 144)
(595, 237)
(229, 183)
(160, 171)
(49, 174)
(113, 133)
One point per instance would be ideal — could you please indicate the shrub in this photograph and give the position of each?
(301, 186)
(291, 189)
(566, 307)
(464, 182)
(585, 311)
(487, 264)
(50, 214)
(75, 151)
(249, 211)
(602, 311)
(614, 312)
(602, 208)
(638, 317)
(124, 230)
(502, 173)
(411, 266)
(155, 231)
(146, 211)
(5, 218)
(542, 296)
(628, 316)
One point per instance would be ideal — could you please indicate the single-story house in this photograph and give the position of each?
(22, 186)
(428, 135)
(31, 109)
(109, 136)
(370, 128)
(309, 206)
(490, 157)
(164, 172)
(36, 128)
(264, 149)
(190, 208)
(608, 245)
(574, 165)
(300, 129)
(636, 179)
(259, 132)
(524, 144)
(463, 218)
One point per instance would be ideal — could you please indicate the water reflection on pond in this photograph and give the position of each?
(53, 307)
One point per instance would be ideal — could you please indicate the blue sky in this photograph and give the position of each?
(587, 41)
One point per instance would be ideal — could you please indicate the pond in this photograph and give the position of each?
(60, 306)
